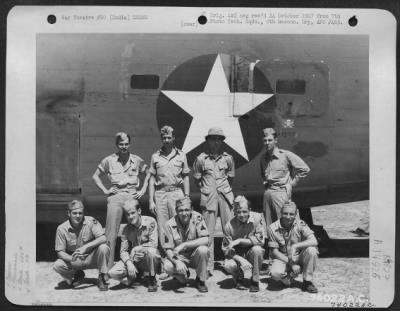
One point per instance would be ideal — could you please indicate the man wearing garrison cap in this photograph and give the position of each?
(213, 172)
(139, 241)
(242, 244)
(185, 244)
(123, 170)
(281, 170)
(80, 244)
(169, 179)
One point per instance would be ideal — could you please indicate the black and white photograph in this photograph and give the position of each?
(223, 159)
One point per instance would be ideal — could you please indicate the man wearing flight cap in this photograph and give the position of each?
(281, 170)
(293, 248)
(185, 244)
(242, 244)
(213, 173)
(81, 244)
(169, 179)
(139, 241)
(123, 170)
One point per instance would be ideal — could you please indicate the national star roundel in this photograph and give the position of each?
(202, 93)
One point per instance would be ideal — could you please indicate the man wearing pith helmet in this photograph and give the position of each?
(139, 241)
(213, 172)
(242, 244)
(81, 244)
(281, 170)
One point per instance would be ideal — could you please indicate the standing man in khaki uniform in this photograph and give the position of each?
(81, 244)
(139, 241)
(213, 173)
(281, 170)
(242, 244)
(185, 244)
(169, 180)
(123, 170)
(294, 247)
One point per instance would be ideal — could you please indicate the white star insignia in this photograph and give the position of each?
(216, 107)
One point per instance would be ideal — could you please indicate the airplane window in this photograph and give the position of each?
(290, 86)
(147, 82)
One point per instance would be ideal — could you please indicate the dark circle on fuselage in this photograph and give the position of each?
(192, 76)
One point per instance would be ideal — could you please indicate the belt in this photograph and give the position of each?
(168, 188)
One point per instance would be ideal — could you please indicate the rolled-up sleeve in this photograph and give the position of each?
(227, 239)
(231, 167)
(152, 168)
(201, 228)
(197, 169)
(104, 166)
(258, 236)
(153, 234)
(168, 240)
(185, 166)
(124, 252)
(272, 242)
(97, 229)
(60, 243)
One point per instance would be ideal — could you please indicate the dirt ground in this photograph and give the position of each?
(334, 276)
(352, 280)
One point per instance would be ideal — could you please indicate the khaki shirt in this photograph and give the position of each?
(214, 172)
(116, 172)
(252, 230)
(281, 238)
(169, 170)
(176, 234)
(68, 241)
(282, 167)
(145, 235)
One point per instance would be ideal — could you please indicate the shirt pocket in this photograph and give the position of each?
(222, 167)
(133, 173)
(86, 236)
(115, 172)
(177, 238)
(72, 241)
(178, 167)
(278, 172)
(161, 169)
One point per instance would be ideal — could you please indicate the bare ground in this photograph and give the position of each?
(334, 276)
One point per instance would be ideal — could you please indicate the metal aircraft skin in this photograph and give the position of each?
(314, 89)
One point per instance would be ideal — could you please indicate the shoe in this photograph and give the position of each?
(309, 287)
(78, 278)
(107, 277)
(254, 287)
(239, 281)
(163, 276)
(201, 286)
(288, 281)
(240, 285)
(152, 285)
(101, 283)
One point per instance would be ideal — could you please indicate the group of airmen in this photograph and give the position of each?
(179, 238)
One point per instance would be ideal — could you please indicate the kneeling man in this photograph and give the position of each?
(139, 241)
(294, 247)
(81, 244)
(185, 243)
(242, 244)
